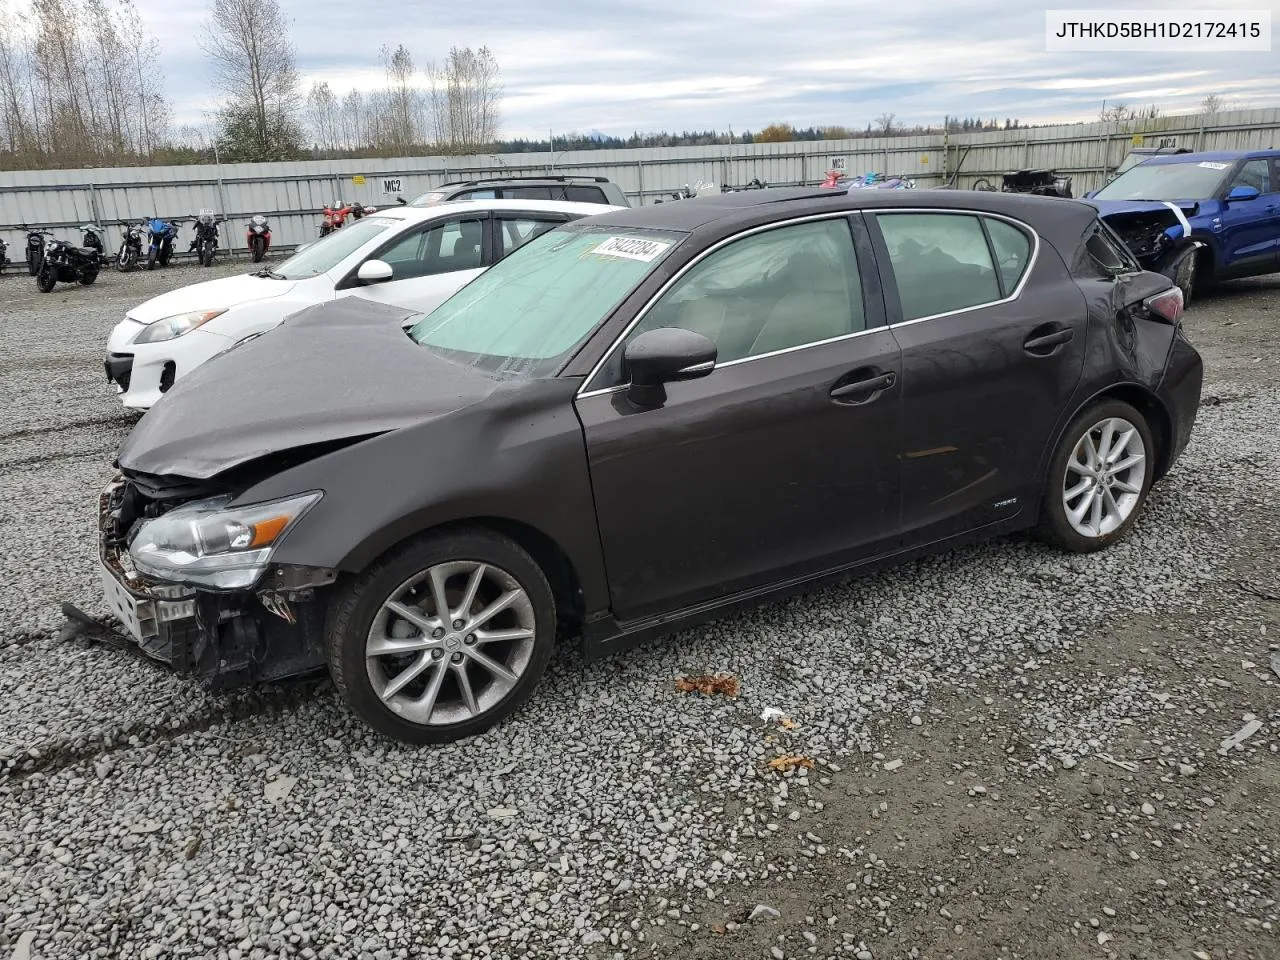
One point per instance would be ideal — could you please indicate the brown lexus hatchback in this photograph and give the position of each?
(635, 422)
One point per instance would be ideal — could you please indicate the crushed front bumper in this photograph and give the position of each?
(224, 639)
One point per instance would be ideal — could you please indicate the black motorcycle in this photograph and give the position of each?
(130, 246)
(92, 239)
(4, 254)
(64, 261)
(35, 248)
(205, 243)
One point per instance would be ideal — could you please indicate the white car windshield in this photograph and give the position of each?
(1167, 181)
(524, 316)
(327, 252)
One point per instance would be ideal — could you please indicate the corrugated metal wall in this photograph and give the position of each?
(292, 194)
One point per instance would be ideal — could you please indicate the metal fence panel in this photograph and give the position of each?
(293, 193)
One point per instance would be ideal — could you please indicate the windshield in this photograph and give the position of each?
(327, 252)
(523, 316)
(1167, 181)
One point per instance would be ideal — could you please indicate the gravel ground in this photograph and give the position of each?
(1015, 753)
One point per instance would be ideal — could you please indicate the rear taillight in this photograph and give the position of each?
(1165, 306)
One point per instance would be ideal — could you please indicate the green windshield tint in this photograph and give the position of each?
(523, 315)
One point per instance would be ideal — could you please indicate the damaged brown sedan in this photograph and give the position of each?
(637, 422)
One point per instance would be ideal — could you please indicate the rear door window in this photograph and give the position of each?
(526, 193)
(941, 262)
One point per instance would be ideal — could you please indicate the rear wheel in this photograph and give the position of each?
(444, 637)
(88, 275)
(46, 277)
(1099, 478)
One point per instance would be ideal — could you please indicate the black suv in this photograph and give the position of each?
(577, 189)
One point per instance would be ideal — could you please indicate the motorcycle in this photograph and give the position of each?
(205, 243)
(257, 236)
(4, 254)
(130, 247)
(868, 181)
(35, 248)
(64, 261)
(92, 240)
(334, 217)
(161, 233)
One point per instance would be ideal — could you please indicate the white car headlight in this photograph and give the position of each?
(206, 543)
(176, 326)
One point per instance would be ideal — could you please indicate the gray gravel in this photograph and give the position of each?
(140, 817)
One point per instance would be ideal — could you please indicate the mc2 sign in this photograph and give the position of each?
(391, 186)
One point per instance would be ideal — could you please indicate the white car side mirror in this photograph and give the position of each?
(374, 271)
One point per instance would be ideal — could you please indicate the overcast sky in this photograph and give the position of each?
(623, 65)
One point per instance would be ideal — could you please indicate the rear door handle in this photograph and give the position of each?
(1045, 344)
(864, 388)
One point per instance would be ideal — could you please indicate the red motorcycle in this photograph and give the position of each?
(257, 236)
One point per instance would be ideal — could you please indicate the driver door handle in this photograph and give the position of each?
(864, 388)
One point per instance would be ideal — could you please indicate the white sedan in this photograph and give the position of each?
(406, 257)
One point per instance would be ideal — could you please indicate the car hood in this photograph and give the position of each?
(210, 295)
(335, 372)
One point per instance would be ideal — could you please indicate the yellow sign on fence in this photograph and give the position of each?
(358, 180)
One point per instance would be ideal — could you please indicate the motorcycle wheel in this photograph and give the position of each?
(128, 259)
(151, 258)
(88, 275)
(33, 263)
(206, 255)
(46, 278)
(259, 250)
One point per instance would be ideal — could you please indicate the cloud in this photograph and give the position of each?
(697, 64)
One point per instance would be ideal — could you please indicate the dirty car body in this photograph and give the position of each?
(656, 416)
(1198, 218)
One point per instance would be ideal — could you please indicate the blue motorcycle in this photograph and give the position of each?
(162, 234)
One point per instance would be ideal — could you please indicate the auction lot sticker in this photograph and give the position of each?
(631, 248)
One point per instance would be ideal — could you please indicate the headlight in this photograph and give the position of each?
(208, 544)
(176, 326)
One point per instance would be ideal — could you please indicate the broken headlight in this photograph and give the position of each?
(208, 543)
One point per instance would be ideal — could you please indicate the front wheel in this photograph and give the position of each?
(47, 277)
(33, 262)
(442, 638)
(259, 249)
(152, 255)
(206, 255)
(1099, 478)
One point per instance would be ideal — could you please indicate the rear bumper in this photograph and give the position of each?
(1179, 391)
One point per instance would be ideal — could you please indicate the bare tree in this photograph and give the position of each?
(322, 115)
(252, 62)
(465, 98)
(1212, 104)
(885, 123)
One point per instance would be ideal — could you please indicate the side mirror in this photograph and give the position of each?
(662, 356)
(374, 271)
(1243, 192)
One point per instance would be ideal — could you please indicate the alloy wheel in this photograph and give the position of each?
(1105, 477)
(450, 643)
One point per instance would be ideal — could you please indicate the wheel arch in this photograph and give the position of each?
(1145, 402)
(549, 555)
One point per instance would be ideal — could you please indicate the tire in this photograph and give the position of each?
(259, 250)
(206, 255)
(33, 263)
(88, 276)
(1098, 527)
(47, 277)
(357, 611)
(128, 260)
(151, 258)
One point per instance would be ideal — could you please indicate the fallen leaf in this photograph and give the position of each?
(709, 684)
(789, 762)
(788, 723)
(718, 928)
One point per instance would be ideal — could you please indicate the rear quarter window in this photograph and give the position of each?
(584, 194)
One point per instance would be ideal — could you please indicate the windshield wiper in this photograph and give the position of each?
(267, 272)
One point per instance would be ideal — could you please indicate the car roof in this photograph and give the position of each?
(1220, 156)
(547, 179)
(452, 207)
(781, 203)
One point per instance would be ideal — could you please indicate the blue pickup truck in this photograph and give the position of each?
(1199, 218)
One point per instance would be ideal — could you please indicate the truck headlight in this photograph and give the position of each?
(206, 543)
(176, 326)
